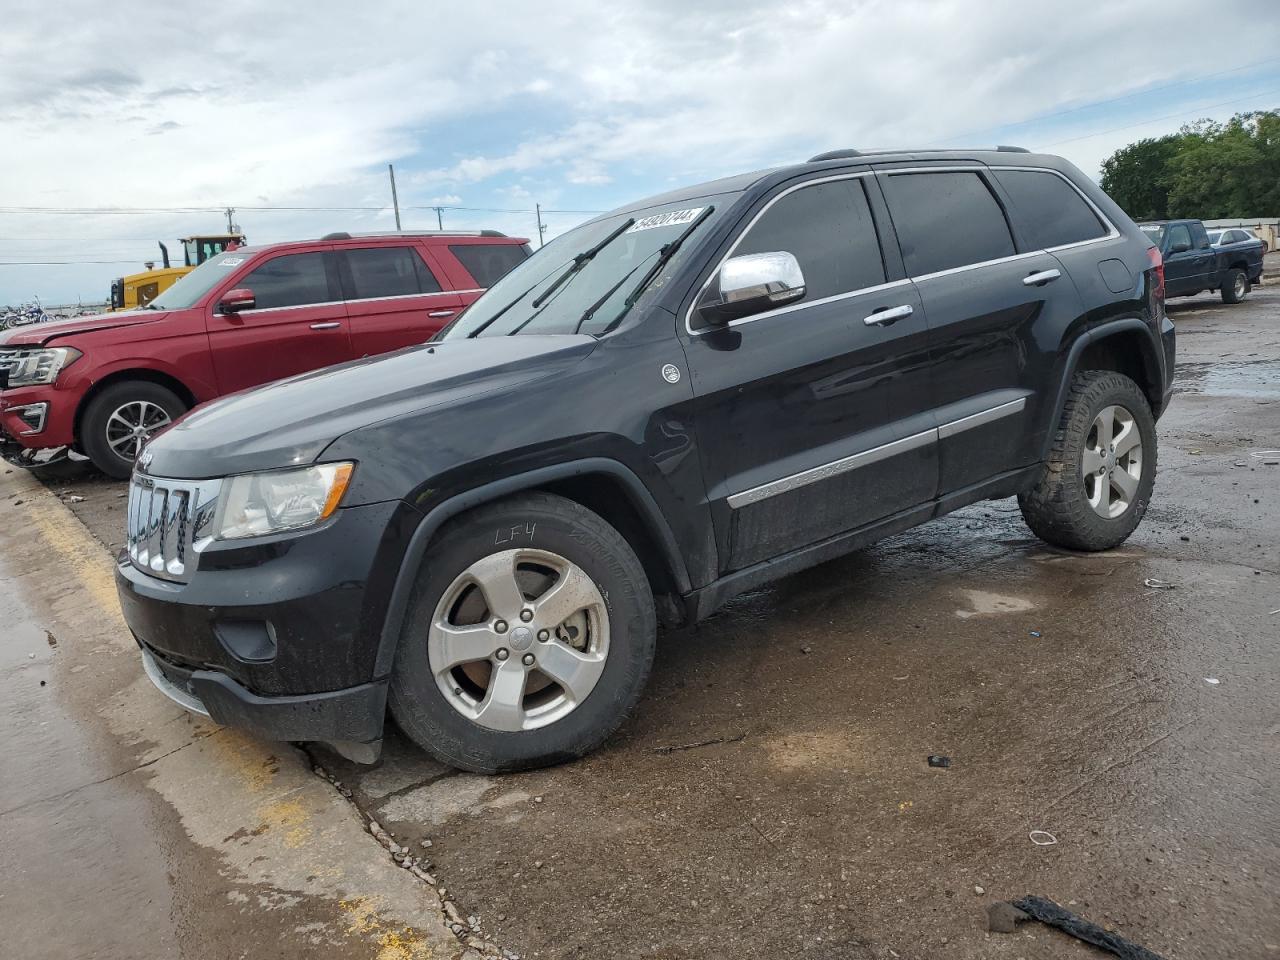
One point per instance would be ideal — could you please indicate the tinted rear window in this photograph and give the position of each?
(946, 220)
(388, 272)
(1048, 210)
(489, 262)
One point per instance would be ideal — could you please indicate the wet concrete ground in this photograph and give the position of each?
(1139, 726)
(130, 830)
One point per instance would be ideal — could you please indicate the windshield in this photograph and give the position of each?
(604, 282)
(1215, 235)
(189, 289)
(1153, 230)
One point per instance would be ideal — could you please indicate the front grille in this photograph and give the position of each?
(8, 360)
(170, 521)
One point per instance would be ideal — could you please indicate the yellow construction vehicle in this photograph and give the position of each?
(139, 289)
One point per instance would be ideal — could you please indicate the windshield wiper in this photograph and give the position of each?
(591, 310)
(665, 253)
(580, 261)
(488, 323)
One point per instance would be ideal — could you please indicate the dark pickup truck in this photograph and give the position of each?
(1192, 264)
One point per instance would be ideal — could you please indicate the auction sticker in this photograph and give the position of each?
(671, 219)
(231, 261)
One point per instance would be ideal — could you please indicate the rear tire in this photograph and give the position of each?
(1235, 287)
(468, 684)
(1101, 469)
(121, 418)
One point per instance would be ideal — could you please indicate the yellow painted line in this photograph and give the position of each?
(84, 558)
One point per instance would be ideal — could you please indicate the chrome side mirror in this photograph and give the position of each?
(753, 283)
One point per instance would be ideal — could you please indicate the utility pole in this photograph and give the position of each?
(230, 212)
(395, 201)
(439, 217)
(541, 226)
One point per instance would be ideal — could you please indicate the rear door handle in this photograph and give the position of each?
(1041, 277)
(887, 315)
(442, 313)
(328, 325)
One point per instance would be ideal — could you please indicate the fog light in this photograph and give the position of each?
(253, 641)
(33, 415)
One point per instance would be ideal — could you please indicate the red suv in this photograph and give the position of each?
(101, 385)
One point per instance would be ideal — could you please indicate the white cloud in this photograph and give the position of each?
(304, 104)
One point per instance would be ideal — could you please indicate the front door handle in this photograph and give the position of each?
(441, 313)
(887, 315)
(329, 325)
(1041, 277)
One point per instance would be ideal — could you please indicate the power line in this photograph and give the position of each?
(149, 211)
(1101, 103)
(1171, 116)
(59, 263)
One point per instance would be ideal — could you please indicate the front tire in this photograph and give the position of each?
(1101, 468)
(120, 419)
(1236, 287)
(528, 638)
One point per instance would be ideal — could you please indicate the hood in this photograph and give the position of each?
(37, 334)
(291, 421)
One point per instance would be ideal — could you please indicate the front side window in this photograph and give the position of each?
(828, 228)
(1179, 234)
(290, 281)
(1049, 211)
(489, 262)
(388, 272)
(946, 220)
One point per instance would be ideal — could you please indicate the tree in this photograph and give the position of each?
(1206, 170)
(1136, 177)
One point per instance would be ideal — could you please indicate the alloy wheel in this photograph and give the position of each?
(1239, 285)
(1111, 465)
(519, 639)
(131, 425)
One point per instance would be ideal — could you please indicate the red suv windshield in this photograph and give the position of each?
(187, 291)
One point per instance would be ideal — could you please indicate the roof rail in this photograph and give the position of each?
(344, 235)
(850, 154)
(835, 155)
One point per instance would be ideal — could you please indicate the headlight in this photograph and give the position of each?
(257, 504)
(33, 368)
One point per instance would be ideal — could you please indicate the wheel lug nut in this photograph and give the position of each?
(544, 635)
(501, 626)
(527, 659)
(526, 615)
(502, 653)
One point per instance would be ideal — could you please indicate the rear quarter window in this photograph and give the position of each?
(1049, 211)
(489, 262)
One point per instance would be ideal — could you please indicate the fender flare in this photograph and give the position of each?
(411, 563)
(1100, 332)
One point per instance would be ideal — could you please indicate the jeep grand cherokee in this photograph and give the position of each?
(666, 406)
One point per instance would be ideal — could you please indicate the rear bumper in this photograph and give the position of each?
(350, 720)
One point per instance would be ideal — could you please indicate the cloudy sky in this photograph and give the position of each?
(168, 113)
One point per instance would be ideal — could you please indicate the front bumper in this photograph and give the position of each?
(56, 425)
(280, 638)
(350, 720)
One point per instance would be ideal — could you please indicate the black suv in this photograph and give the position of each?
(668, 405)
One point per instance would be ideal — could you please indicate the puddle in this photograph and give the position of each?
(1250, 378)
